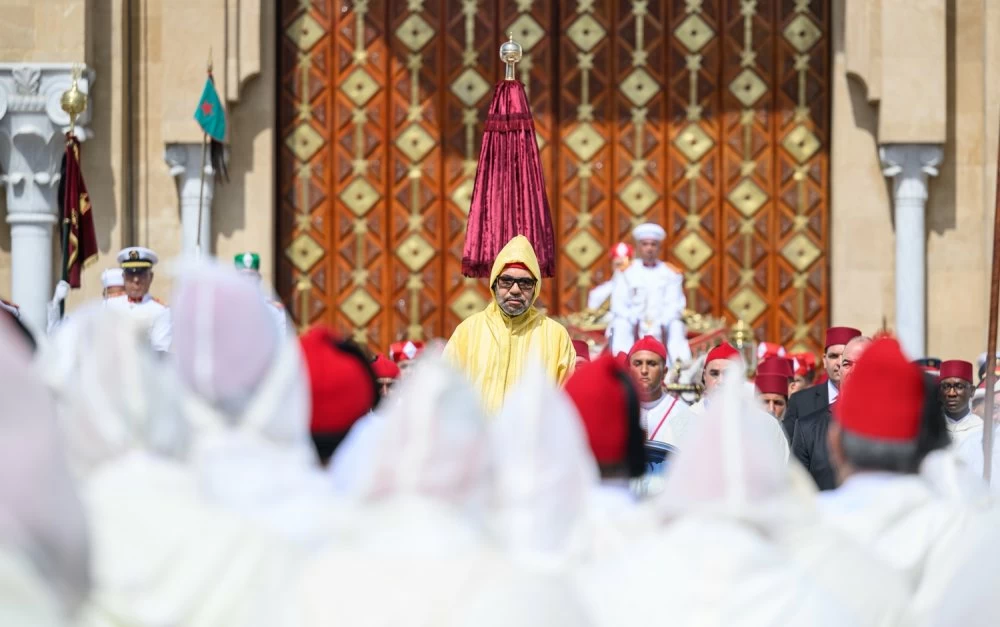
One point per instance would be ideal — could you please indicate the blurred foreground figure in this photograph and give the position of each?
(44, 561)
(248, 264)
(886, 420)
(162, 555)
(736, 531)
(420, 528)
(492, 346)
(245, 392)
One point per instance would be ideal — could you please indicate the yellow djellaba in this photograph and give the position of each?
(493, 348)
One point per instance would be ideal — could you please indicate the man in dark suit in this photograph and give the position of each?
(816, 398)
(809, 440)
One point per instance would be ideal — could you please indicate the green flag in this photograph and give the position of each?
(209, 114)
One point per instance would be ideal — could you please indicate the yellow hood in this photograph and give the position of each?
(518, 250)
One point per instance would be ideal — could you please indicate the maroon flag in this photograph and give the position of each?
(509, 196)
(79, 238)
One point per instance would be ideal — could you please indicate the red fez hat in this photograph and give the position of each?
(840, 335)
(722, 351)
(767, 350)
(651, 344)
(803, 363)
(884, 397)
(402, 351)
(601, 399)
(781, 366)
(341, 383)
(582, 349)
(957, 369)
(772, 384)
(383, 368)
(621, 250)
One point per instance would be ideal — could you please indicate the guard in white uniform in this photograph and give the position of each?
(649, 300)
(956, 391)
(664, 417)
(248, 264)
(137, 263)
(113, 292)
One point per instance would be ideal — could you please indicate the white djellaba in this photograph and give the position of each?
(739, 542)
(43, 535)
(245, 392)
(161, 554)
(419, 552)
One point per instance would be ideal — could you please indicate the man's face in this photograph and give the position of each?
(137, 283)
(647, 368)
(714, 373)
(114, 291)
(955, 394)
(514, 290)
(831, 361)
(404, 365)
(649, 250)
(385, 386)
(775, 404)
(848, 359)
(979, 407)
(798, 383)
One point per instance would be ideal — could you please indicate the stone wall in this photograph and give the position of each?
(168, 74)
(959, 212)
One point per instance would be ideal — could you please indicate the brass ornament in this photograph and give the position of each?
(527, 31)
(692, 251)
(801, 252)
(359, 196)
(747, 197)
(415, 252)
(305, 31)
(585, 141)
(586, 32)
(694, 33)
(801, 143)
(415, 32)
(304, 252)
(746, 304)
(359, 87)
(747, 87)
(468, 302)
(510, 53)
(639, 87)
(415, 143)
(360, 307)
(693, 142)
(304, 142)
(638, 196)
(470, 87)
(802, 33)
(583, 249)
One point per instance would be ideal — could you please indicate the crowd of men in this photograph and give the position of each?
(202, 465)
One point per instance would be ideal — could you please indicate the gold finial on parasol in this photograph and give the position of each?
(510, 54)
(74, 101)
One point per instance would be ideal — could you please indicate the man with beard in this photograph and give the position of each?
(809, 442)
(818, 397)
(493, 346)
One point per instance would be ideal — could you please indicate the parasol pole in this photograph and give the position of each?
(201, 184)
(991, 339)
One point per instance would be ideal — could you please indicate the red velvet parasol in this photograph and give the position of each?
(509, 195)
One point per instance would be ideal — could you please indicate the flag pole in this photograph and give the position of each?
(73, 102)
(991, 339)
(201, 192)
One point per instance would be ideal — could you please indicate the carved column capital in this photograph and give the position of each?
(910, 165)
(188, 162)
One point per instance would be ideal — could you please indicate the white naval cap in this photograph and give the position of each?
(113, 277)
(137, 258)
(649, 230)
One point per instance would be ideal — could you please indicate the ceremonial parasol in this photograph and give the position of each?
(509, 197)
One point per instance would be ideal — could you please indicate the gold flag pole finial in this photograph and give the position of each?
(74, 101)
(510, 54)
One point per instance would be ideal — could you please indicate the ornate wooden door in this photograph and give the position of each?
(710, 117)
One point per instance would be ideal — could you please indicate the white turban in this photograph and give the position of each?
(113, 277)
(649, 230)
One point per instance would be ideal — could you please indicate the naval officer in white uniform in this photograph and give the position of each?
(137, 263)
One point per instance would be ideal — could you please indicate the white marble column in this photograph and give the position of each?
(32, 130)
(185, 161)
(909, 166)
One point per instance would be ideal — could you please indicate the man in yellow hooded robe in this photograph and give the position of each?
(493, 346)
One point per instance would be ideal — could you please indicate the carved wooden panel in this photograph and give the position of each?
(710, 117)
